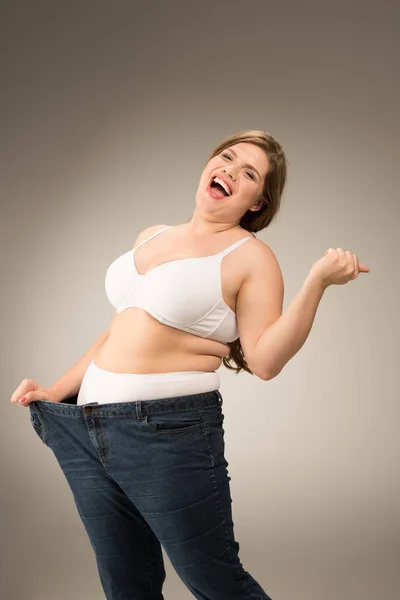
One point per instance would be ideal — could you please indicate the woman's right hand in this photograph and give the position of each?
(28, 391)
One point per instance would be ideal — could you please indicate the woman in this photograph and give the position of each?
(136, 424)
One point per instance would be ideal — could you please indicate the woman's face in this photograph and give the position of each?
(243, 167)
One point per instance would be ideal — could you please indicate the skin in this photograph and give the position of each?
(215, 216)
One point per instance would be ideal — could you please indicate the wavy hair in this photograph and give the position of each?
(254, 221)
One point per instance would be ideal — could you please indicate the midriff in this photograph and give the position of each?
(153, 347)
(139, 343)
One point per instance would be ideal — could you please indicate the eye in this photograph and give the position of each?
(249, 173)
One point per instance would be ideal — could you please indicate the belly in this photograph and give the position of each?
(138, 343)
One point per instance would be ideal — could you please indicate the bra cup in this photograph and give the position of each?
(185, 293)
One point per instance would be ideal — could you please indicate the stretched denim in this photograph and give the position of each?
(145, 475)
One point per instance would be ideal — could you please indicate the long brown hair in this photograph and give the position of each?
(254, 221)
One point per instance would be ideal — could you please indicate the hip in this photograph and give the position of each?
(102, 386)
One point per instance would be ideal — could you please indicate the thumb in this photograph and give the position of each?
(363, 269)
(31, 397)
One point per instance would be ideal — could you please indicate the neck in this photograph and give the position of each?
(200, 228)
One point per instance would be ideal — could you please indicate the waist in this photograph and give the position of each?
(101, 386)
(145, 356)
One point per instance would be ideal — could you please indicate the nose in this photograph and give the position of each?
(229, 173)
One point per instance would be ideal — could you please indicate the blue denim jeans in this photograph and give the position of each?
(145, 475)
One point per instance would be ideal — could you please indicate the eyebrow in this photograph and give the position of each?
(246, 165)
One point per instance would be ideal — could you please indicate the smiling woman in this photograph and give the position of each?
(141, 412)
(269, 180)
(252, 164)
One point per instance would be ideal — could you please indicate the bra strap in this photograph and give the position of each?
(154, 235)
(235, 245)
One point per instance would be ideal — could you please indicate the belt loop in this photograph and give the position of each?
(139, 410)
(221, 401)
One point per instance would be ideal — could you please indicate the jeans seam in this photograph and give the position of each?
(42, 427)
(219, 497)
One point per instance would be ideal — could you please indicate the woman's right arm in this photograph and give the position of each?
(70, 383)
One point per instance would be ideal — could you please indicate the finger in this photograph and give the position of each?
(21, 389)
(17, 397)
(29, 397)
(32, 397)
(20, 403)
(23, 401)
(364, 269)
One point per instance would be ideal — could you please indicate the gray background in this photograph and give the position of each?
(109, 111)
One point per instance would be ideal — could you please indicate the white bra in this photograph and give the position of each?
(184, 293)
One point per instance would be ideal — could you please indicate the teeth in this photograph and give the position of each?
(218, 180)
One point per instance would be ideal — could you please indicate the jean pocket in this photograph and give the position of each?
(37, 422)
(181, 421)
(173, 422)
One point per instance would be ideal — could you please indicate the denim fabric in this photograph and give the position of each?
(145, 475)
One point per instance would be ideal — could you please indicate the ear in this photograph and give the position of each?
(257, 205)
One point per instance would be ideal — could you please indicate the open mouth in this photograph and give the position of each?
(217, 189)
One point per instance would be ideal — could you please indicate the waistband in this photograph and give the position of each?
(106, 387)
(69, 407)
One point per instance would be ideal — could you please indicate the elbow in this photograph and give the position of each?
(263, 375)
(264, 372)
(268, 375)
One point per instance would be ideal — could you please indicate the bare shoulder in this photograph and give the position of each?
(259, 258)
(146, 233)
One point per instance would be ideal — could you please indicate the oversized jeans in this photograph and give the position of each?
(147, 474)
